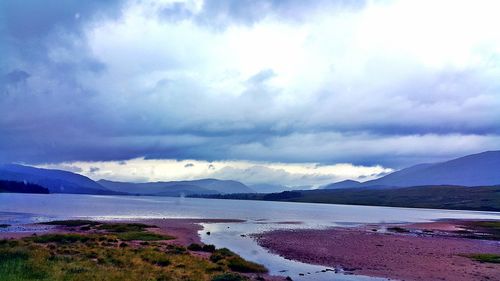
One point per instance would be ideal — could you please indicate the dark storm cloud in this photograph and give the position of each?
(69, 95)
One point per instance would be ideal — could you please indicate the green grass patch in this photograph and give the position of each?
(489, 258)
(72, 223)
(124, 227)
(142, 236)
(60, 238)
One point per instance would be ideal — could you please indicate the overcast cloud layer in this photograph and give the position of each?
(389, 83)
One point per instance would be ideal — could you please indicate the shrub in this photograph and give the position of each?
(238, 264)
(195, 247)
(221, 254)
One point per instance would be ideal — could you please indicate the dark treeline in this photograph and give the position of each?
(21, 187)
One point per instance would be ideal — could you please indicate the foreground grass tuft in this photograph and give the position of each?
(114, 253)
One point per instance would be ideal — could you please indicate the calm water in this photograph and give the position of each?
(259, 215)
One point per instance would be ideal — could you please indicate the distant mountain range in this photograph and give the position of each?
(177, 188)
(58, 181)
(482, 169)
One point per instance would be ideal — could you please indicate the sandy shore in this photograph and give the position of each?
(374, 252)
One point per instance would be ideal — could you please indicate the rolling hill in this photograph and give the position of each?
(177, 188)
(56, 181)
(482, 169)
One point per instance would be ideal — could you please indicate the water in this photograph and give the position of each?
(259, 215)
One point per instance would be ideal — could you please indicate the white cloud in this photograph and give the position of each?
(291, 174)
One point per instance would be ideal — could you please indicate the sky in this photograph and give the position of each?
(284, 92)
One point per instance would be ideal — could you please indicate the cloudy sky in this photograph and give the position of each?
(292, 92)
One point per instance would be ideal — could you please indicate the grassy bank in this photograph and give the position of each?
(114, 252)
(485, 198)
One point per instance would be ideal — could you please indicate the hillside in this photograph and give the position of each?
(56, 181)
(21, 187)
(177, 188)
(482, 169)
(486, 198)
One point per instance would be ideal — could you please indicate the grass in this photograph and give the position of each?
(199, 248)
(489, 230)
(489, 258)
(60, 238)
(481, 198)
(72, 223)
(235, 262)
(108, 255)
(142, 236)
(124, 227)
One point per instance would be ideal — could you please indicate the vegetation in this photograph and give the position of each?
(485, 198)
(490, 258)
(21, 187)
(105, 253)
(481, 230)
(225, 257)
(72, 223)
(199, 248)
(4, 225)
(398, 229)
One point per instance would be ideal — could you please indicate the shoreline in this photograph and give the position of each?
(417, 251)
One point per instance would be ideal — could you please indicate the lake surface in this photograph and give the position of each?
(259, 216)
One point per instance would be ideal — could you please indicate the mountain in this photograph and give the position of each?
(177, 188)
(342, 184)
(56, 181)
(480, 169)
(21, 187)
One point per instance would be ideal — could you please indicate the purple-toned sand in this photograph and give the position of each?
(403, 256)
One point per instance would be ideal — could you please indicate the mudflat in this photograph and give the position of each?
(450, 250)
